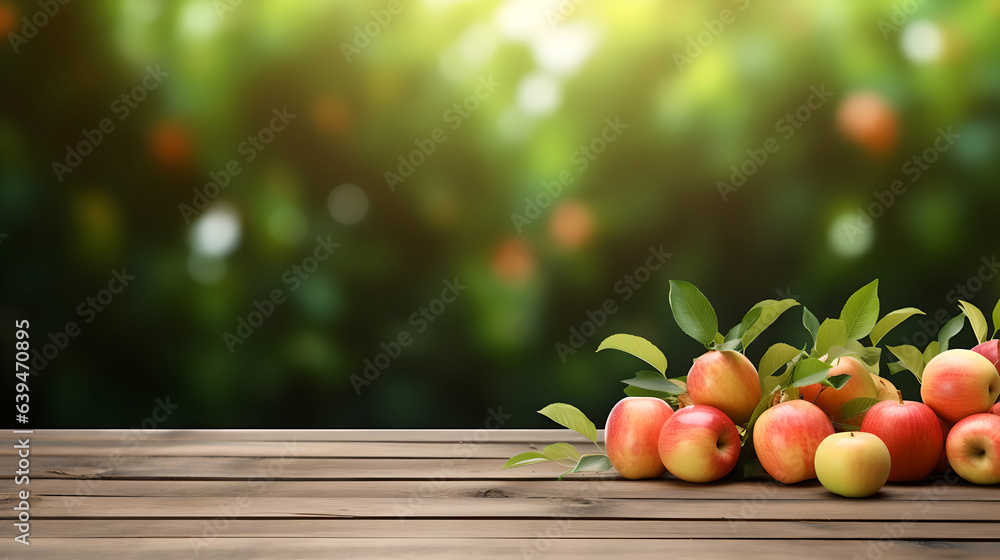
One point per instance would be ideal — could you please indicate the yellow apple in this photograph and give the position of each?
(853, 464)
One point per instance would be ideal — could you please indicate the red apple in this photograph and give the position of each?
(785, 438)
(853, 464)
(831, 400)
(995, 409)
(725, 380)
(631, 435)
(959, 383)
(912, 433)
(974, 449)
(991, 351)
(699, 444)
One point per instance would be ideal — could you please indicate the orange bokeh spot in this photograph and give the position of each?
(513, 261)
(331, 115)
(572, 225)
(8, 18)
(866, 119)
(170, 144)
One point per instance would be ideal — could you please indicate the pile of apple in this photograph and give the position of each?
(820, 412)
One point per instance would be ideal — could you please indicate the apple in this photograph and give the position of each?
(912, 434)
(853, 464)
(995, 409)
(785, 438)
(631, 435)
(831, 400)
(973, 449)
(886, 390)
(991, 351)
(699, 444)
(959, 383)
(725, 380)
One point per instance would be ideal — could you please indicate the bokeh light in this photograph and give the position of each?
(348, 204)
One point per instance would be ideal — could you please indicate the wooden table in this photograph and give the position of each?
(107, 494)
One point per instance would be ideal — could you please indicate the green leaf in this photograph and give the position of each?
(572, 418)
(561, 451)
(933, 349)
(896, 367)
(833, 332)
(652, 381)
(856, 406)
(769, 384)
(950, 329)
(749, 319)
(861, 311)
(524, 459)
(837, 352)
(775, 357)
(811, 323)
(836, 381)
(891, 321)
(911, 358)
(976, 319)
(638, 347)
(809, 371)
(639, 392)
(748, 465)
(996, 319)
(719, 339)
(762, 405)
(593, 463)
(770, 311)
(868, 354)
(693, 312)
(727, 345)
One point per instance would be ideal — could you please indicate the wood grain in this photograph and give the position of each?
(246, 494)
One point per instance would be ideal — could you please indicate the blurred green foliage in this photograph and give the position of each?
(694, 86)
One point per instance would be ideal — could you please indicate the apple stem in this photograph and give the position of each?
(899, 395)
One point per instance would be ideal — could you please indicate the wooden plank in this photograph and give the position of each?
(353, 449)
(249, 505)
(542, 546)
(138, 436)
(289, 467)
(568, 528)
(663, 488)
